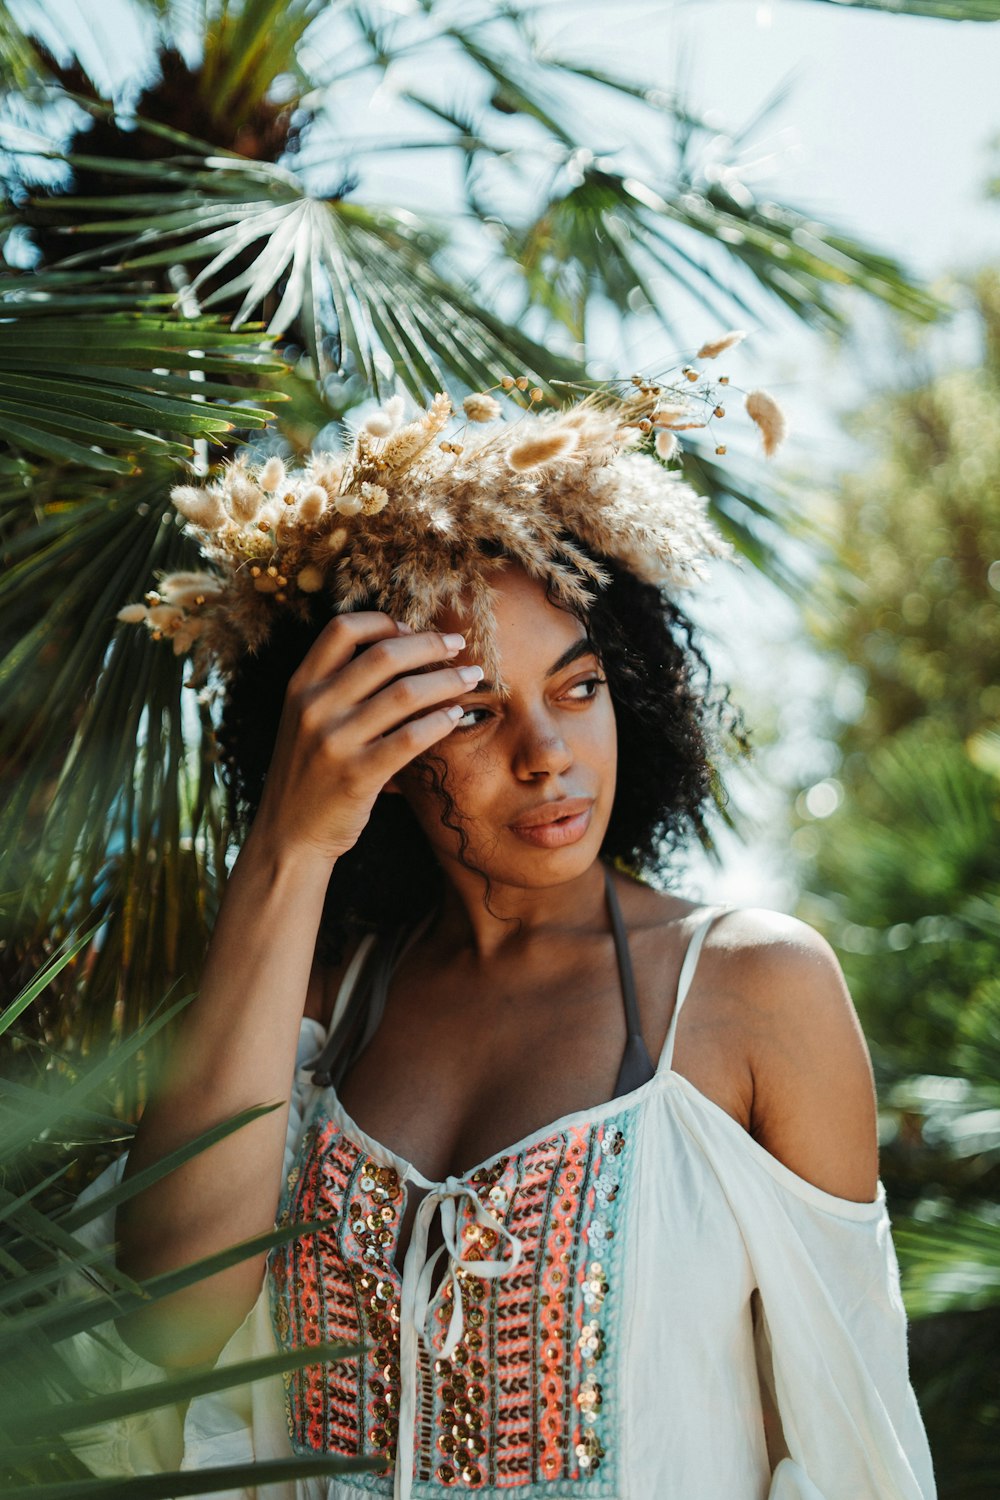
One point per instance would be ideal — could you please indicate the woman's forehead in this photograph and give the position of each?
(520, 603)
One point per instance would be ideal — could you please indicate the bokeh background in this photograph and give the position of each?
(242, 221)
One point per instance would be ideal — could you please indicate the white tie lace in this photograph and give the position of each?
(418, 1280)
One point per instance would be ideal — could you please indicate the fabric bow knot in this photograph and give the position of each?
(448, 1198)
(418, 1281)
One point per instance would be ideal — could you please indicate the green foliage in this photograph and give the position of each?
(56, 1117)
(916, 604)
(942, 1150)
(912, 845)
(907, 868)
(904, 877)
(942, 10)
(261, 238)
(187, 280)
(78, 378)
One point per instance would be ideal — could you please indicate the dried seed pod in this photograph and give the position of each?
(558, 442)
(201, 507)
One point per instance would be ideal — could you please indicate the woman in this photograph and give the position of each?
(594, 1167)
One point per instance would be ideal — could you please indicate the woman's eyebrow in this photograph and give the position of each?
(582, 647)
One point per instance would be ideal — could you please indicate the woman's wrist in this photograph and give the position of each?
(284, 860)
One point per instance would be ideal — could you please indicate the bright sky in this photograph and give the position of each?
(888, 122)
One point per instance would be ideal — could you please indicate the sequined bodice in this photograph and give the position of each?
(507, 1386)
(500, 1372)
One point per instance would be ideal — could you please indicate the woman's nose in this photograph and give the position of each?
(542, 749)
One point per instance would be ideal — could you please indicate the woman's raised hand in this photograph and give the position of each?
(356, 711)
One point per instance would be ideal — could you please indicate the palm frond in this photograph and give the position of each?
(204, 1481)
(954, 1264)
(939, 10)
(246, 46)
(754, 515)
(977, 1050)
(612, 229)
(514, 92)
(58, 1289)
(124, 822)
(20, 64)
(366, 275)
(94, 384)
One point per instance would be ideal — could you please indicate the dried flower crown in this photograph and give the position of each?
(399, 516)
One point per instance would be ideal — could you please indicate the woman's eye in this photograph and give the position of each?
(594, 682)
(589, 682)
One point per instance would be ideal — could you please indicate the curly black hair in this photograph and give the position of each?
(673, 730)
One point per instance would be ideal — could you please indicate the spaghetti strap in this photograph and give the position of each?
(360, 1002)
(688, 966)
(400, 945)
(349, 980)
(624, 956)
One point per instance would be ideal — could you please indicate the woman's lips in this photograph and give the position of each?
(554, 835)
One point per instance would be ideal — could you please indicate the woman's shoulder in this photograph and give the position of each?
(785, 971)
(768, 955)
(813, 1090)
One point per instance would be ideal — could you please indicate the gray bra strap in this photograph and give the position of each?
(637, 1066)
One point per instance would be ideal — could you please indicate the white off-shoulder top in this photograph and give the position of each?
(616, 1297)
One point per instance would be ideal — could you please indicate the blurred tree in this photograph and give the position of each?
(906, 862)
(904, 874)
(917, 608)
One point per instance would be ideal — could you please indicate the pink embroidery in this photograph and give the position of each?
(519, 1402)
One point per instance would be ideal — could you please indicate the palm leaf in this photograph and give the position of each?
(246, 46)
(940, 10)
(977, 1050)
(789, 254)
(64, 1318)
(63, 956)
(366, 274)
(20, 65)
(203, 1481)
(757, 517)
(614, 230)
(949, 1265)
(75, 1415)
(101, 387)
(42, 1398)
(121, 822)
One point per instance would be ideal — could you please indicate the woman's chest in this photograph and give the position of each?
(447, 1083)
(456, 1070)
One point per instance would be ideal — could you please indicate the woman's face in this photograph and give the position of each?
(554, 737)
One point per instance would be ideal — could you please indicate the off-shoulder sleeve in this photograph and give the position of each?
(831, 1323)
(226, 1427)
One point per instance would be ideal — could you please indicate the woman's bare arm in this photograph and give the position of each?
(814, 1101)
(236, 1048)
(347, 726)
